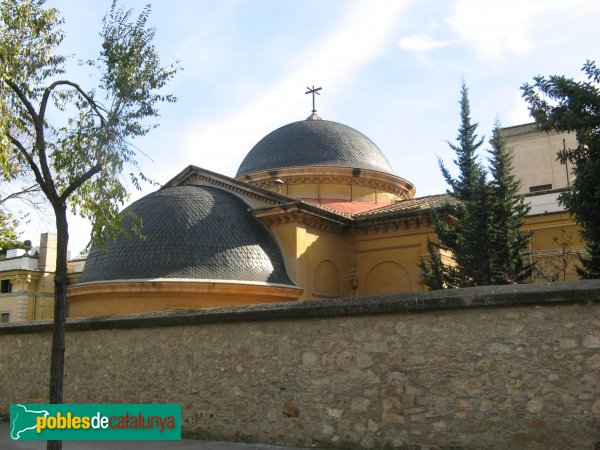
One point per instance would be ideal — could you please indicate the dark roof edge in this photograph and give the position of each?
(511, 130)
(224, 180)
(388, 214)
(309, 208)
(391, 217)
(508, 296)
(548, 191)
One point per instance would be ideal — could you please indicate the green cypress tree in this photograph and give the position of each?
(433, 273)
(464, 237)
(507, 211)
(480, 227)
(465, 186)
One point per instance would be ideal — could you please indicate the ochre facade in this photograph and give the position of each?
(329, 258)
(346, 231)
(27, 283)
(341, 232)
(107, 299)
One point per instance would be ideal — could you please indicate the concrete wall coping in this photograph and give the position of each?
(539, 294)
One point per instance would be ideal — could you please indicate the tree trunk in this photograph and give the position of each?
(57, 359)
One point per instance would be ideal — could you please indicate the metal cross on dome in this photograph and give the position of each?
(313, 90)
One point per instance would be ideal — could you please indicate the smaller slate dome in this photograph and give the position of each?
(192, 232)
(314, 143)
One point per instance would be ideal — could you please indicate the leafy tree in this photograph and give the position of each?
(10, 191)
(479, 229)
(507, 212)
(563, 104)
(9, 220)
(75, 139)
(8, 235)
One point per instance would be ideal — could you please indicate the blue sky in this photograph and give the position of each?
(390, 69)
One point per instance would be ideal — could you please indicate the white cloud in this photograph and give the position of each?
(495, 29)
(519, 113)
(329, 60)
(420, 42)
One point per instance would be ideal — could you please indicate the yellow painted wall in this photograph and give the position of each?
(333, 191)
(313, 258)
(369, 261)
(363, 194)
(300, 190)
(326, 264)
(285, 235)
(42, 301)
(322, 255)
(379, 261)
(386, 261)
(31, 297)
(101, 299)
(555, 246)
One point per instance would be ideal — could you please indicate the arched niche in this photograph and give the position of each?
(386, 278)
(326, 280)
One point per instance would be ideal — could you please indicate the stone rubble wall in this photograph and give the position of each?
(510, 367)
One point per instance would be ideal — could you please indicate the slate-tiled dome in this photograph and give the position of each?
(193, 232)
(314, 143)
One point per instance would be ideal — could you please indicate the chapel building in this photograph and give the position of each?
(315, 211)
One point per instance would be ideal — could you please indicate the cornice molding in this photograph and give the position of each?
(286, 209)
(193, 175)
(333, 175)
(304, 214)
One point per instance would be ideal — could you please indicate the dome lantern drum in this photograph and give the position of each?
(324, 162)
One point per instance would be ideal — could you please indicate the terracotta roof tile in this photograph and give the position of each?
(413, 204)
(348, 207)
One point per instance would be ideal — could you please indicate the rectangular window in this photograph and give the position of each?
(541, 187)
(4, 317)
(5, 286)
